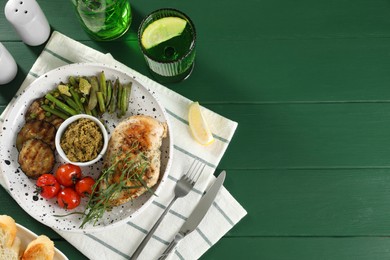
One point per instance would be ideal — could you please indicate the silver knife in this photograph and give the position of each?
(197, 214)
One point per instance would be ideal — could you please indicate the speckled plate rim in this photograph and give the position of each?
(37, 89)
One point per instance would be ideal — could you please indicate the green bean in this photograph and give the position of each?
(54, 112)
(119, 96)
(100, 98)
(109, 92)
(114, 95)
(92, 102)
(102, 83)
(123, 101)
(94, 112)
(92, 94)
(127, 97)
(87, 110)
(60, 104)
(126, 89)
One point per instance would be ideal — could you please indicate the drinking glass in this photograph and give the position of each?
(104, 19)
(171, 60)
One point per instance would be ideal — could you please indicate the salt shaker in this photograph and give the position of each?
(8, 67)
(28, 20)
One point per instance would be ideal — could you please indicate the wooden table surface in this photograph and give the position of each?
(309, 84)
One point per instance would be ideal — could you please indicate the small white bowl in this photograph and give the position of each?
(64, 126)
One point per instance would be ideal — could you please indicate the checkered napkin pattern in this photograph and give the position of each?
(120, 242)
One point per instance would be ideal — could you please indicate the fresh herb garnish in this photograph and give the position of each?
(125, 168)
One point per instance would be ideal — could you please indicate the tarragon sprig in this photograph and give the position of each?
(131, 169)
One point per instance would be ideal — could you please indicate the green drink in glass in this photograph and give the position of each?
(167, 39)
(104, 20)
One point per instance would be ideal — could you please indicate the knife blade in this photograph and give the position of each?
(197, 214)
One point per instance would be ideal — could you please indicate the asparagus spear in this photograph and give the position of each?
(71, 103)
(54, 111)
(60, 104)
(76, 98)
(93, 96)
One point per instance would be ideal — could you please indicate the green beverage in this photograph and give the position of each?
(172, 49)
(104, 19)
(167, 39)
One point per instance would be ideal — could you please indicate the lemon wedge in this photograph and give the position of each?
(198, 125)
(162, 30)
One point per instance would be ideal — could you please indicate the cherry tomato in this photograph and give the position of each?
(84, 186)
(68, 198)
(47, 186)
(68, 174)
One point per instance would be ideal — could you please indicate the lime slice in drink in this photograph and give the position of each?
(162, 30)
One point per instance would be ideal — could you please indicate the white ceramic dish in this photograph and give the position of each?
(26, 236)
(62, 129)
(22, 188)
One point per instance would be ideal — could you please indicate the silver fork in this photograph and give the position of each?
(182, 188)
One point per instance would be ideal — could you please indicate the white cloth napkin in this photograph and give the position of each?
(121, 242)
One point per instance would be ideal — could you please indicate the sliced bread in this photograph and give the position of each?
(42, 248)
(9, 243)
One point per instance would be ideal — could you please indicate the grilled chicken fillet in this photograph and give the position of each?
(134, 136)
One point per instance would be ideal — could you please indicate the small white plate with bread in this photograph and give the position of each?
(18, 242)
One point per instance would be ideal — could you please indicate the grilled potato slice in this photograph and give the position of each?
(56, 121)
(37, 129)
(35, 111)
(36, 158)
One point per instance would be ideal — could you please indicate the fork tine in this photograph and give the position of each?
(185, 176)
(194, 170)
(195, 174)
(196, 178)
(193, 164)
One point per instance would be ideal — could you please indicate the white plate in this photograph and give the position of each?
(26, 236)
(22, 188)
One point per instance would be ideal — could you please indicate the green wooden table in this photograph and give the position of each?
(309, 84)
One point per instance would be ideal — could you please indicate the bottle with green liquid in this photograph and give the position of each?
(104, 20)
